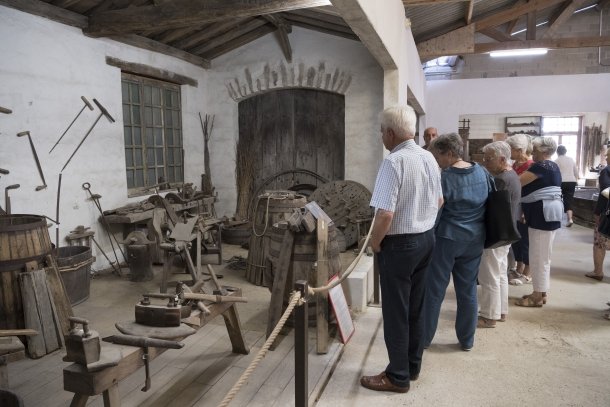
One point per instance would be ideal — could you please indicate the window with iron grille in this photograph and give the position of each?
(152, 132)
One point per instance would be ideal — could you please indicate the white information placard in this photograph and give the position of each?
(341, 310)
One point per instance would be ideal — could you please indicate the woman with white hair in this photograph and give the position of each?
(543, 209)
(569, 179)
(521, 154)
(493, 298)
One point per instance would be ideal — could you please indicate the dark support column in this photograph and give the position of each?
(301, 348)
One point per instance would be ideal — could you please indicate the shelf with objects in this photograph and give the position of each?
(530, 125)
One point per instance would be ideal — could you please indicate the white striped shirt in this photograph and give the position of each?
(409, 185)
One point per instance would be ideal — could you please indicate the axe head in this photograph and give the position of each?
(23, 133)
(14, 186)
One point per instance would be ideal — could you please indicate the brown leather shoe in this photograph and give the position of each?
(381, 383)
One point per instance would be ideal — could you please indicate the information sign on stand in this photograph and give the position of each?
(341, 310)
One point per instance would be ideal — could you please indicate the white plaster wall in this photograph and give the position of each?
(363, 101)
(448, 99)
(44, 69)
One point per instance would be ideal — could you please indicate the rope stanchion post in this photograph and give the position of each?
(301, 347)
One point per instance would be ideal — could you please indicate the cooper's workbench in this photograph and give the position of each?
(85, 384)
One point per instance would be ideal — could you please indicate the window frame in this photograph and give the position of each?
(166, 133)
(560, 134)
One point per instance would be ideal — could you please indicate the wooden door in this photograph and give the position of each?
(296, 128)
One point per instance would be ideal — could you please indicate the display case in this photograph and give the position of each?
(530, 125)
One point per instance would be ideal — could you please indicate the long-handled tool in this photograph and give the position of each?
(7, 200)
(144, 343)
(5, 110)
(87, 104)
(57, 215)
(44, 183)
(3, 172)
(112, 263)
(104, 112)
(96, 199)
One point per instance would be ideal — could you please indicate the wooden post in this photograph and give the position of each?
(301, 349)
(279, 282)
(234, 329)
(322, 279)
(59, 295)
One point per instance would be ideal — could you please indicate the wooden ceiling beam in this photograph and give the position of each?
(601, 4)
(552, 43)
(283, 28)
(64, 3)
(46, 10)
(469, 11)
(310, 13)
(324, 29)
(457, 42)
(238, 31)
(496, 35)
(173, 35)
(294, 18)
(564, 13)
(240, 41)
(155, 46)
(530, 34)
(207, 33)
(514, 12)
(181, 13)
(410, 3)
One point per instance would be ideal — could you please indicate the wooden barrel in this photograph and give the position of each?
(304, 255)
(23, 239)
(271, 207)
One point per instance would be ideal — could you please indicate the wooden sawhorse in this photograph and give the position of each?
(85, 384)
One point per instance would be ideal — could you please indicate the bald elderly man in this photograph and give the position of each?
(429, 134)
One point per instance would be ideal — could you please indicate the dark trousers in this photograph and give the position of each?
(521, 248)
(403, 261)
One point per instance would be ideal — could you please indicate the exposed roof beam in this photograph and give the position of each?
(460, 41)
(294, 18)
(514, 12)
(151, 45)
(228, 36)
(240, 41)
(46, 10)
(323, 29)
(150, 71)
(496, 35)
(600, 5)
(428, 35)
(566, 11)
(409, 3)
(530, 34)
(64, 3)
(175, 34)
(554, 43)
(283, 28)
(469, 10)
(207, 33)
(329, 18)
(180, 13)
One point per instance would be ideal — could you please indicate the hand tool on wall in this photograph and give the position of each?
(104, 112)
(87, 104)
(7, 200)
(27, 133)
(96, 199)
(5, 110)
(144, 343)
(57, 214)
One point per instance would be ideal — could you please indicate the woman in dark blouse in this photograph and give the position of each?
(600, 242)
(543, 210)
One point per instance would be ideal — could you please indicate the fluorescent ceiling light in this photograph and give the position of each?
(525, 29)
(585, 8)
(519, 52)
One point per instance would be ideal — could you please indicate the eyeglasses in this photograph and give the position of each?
(487, 159)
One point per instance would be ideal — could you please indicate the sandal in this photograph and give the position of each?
(521, 280)
(528, 301)
(486, 323)
(595, 276)
(543, 297)
(502, 318)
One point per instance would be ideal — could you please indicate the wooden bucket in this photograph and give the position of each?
(304, 255)
(271, 207)
(23, 239)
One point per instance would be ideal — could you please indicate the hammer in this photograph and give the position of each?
(104, 112)
(44, 183)
(87, 104)
(7, 201)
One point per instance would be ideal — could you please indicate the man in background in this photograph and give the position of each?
(429, 134)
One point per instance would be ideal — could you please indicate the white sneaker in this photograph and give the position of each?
(521, 280)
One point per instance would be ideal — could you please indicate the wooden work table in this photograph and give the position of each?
(85, 384)
(132, 218)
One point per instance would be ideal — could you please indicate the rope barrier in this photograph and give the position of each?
(295, 299)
